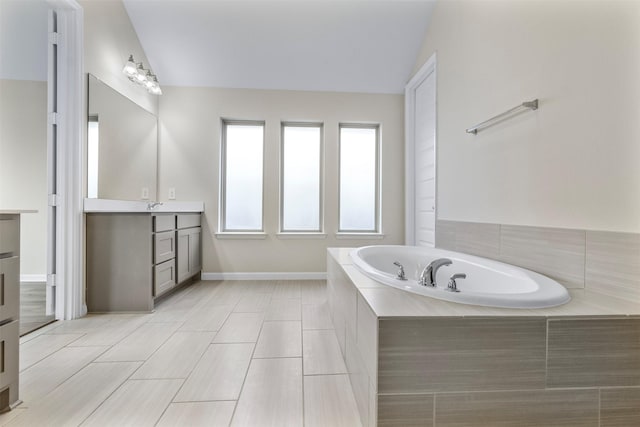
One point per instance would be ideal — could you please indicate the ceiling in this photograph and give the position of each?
(346, 45)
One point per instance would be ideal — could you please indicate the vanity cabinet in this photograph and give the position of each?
(135, 258)
(9, 309)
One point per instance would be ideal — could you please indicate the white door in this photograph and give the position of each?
(423, 118)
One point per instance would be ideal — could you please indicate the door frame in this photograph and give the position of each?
(409, 128)
(69, 118)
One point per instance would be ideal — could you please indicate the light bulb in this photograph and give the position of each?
(130, 67)
(141, 76)
(149, 83)
(155, 89)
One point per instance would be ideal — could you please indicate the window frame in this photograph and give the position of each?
(222, 226)
(378, 227)
(320, 228)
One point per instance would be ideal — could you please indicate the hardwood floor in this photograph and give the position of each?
(217, 353)
(32, 307)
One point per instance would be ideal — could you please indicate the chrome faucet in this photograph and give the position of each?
(453, 286)
(153, 205)
(400, 274)
(428, 275)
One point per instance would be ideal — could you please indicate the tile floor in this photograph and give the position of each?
(216, 354)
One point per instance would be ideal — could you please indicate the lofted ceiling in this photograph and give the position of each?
(342, 45)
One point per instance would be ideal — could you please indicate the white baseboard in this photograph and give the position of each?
(265, 276)
(33, 278)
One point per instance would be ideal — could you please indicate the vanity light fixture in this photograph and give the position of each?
(137, 74)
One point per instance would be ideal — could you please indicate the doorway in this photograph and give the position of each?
(420, 162)
(24, 149)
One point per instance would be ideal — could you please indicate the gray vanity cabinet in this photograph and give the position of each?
(9, 309)
(134, 258)
(189, 236)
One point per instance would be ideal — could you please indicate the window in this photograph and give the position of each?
(358, 178)
(242, 176)
(93, 152)
(300, 201)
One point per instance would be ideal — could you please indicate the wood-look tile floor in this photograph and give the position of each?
(32, 306)
(244, 353)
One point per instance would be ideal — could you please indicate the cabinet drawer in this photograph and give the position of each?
(9, 235)
(9, 288)
(9, 342)
(164, 246)
(164, 277)
(188, 220)
(164, 222)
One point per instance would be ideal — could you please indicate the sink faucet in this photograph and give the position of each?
(152, 205)
(428, 275)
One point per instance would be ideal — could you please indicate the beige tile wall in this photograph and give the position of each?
(620, 407)
(456, 354)
(533, 408)
(601, 261)
(593, 353)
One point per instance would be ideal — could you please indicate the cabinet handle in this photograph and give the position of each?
(1, 288)
(2, 357)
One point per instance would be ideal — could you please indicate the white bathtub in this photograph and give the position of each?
(488, 283)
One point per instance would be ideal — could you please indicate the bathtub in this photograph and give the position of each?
(488, 283)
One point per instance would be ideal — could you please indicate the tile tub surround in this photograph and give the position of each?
(601, 261)
(414, 360)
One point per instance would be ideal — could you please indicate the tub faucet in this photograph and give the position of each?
(453, 286)
(428, 275)
(400, 273)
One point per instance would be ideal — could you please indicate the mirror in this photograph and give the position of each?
(122, 146)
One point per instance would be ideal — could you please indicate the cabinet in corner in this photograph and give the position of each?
(134, 258)
(9, 308)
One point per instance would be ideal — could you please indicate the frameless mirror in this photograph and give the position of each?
(122, 146)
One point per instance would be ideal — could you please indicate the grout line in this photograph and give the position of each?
(246, 374)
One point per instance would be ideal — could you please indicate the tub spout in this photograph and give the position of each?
(428, 275)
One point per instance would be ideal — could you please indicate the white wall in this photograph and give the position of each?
(23, 166)
(573, 163)
(109, 39)
(23, 40)
(189, 161)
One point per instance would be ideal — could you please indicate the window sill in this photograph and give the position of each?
(241, 235)
(301, 235)
(359, 236)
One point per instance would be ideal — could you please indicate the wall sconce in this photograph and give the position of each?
(137, 74)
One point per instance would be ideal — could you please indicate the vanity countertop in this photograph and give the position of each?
(388, 302)
(139, 206)
(16, 211)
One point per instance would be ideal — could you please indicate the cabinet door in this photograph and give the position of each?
(9, 359)
(9, 288)
(164, 277)
(183, 260)
(188, 255)
(195, 263)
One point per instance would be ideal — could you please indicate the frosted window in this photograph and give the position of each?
(93, 146)
(301, 178)
(243, 153)
(358, 179)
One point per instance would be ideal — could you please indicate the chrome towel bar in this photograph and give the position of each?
(531, 105)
